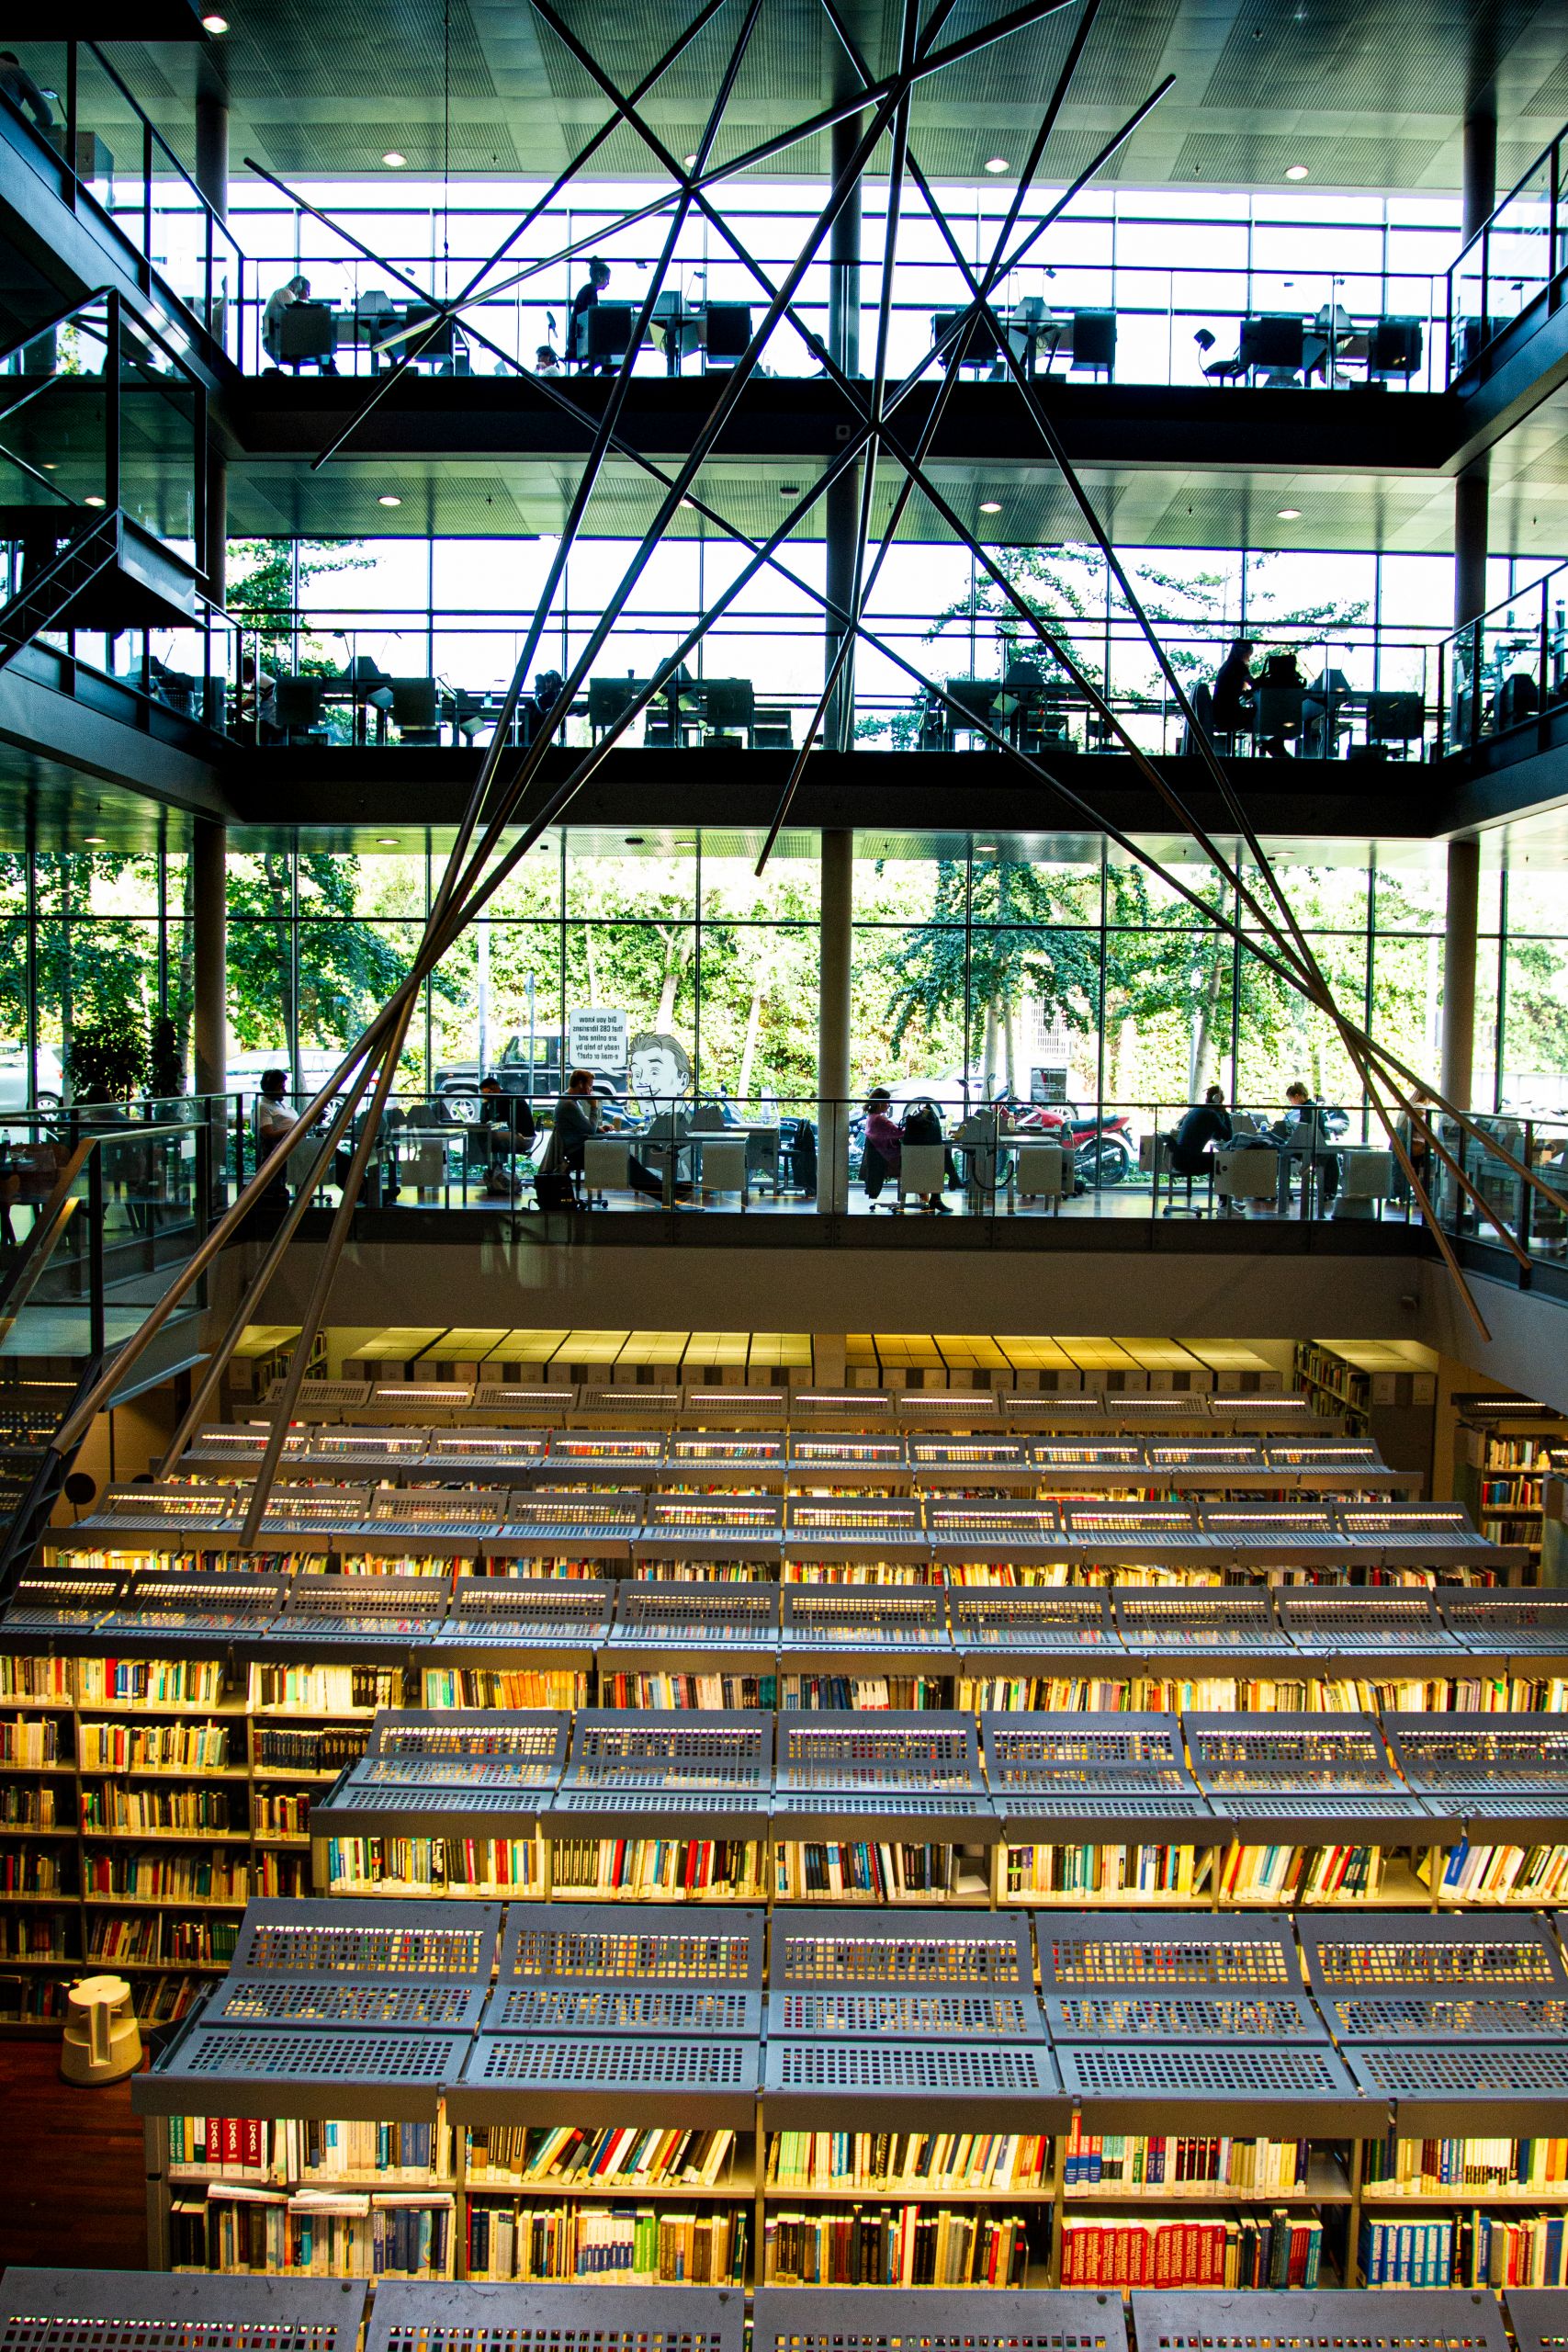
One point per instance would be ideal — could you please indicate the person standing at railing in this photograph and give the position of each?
(272, 1119)
(18, 84)
(585, 300)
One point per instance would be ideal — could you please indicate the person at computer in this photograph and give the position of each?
(1230, 696)
(882, 1148)
(279, 302)
(1206, 1124)
(586, 299)
(1281, 673)
(922, 1124)
(546, 361)
(1301, 1135)
(577, 1118)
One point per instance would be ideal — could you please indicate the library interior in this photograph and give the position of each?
(591, 1697)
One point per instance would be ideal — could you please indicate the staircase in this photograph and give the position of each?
(32, 1406)
(46, 602)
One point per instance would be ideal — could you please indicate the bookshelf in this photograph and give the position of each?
(1506, 1449)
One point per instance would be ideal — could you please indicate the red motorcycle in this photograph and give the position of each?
(1104, 1151)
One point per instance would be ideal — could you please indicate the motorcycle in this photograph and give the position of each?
(1104, 1150)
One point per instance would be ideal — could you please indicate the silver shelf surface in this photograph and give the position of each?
(468, 2316)
(133, 2311)
(1337, 2319)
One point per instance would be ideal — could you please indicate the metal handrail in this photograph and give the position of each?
(58, 1214)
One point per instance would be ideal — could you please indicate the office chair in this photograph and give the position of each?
(977, 699)
(1517, 699)
(732, 704)
(414, 710)
(605, 330)
(298, 705)
(440, 348)
(609, 699)
(978, 347)
(1217, 371)
(772, 728)
(1396, 717)
(728, 332)
(1094, 341)
(1396, 347)
(306, 332)
(1273, 345)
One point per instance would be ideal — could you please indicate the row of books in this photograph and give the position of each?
(666, 1690)
(1272, 2250)
(166, 1878)
(31, 2000)
(285, 2150)
(152, 1748)
(670, 1866)
(1301, 1874)
(1466, 2250)
(325, 1689)
(35, 1935)
(1177, 1870)
(895, 2245)
(314, 2233)
(31, 1742)
(35, 1678)
(888, 1872)
(149, 1681)
(426, 1865)
(30, 1805)
(631, 2245)
(489, 1685)
(109, 1806)
(328, 1749)
(280, 1814)
(1132, 2160)
(34, 1870)
(148, 1937)
(522, 2156)
(921, 2161)
(1426, 2168)
(1498, 1874)
(162, 2000)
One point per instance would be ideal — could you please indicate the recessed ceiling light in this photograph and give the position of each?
(685, 502)
(386, 840)
(996, 162)
(1297, 172)
(688, 161)
(393, 160)
(50, 465)
(91, 500)
(984, 849)
(388, 499)
(94, 841)
(1289, 514)
(990, 506)
(215, 24)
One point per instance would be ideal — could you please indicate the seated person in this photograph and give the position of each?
(1230, 696)
(547, 361)
(1281, 672)
(505, 1126)
(1301, 1135)
(577, 1118)
(1203, 1126)
(883, 1150)
(922, 1124)
(281, 300)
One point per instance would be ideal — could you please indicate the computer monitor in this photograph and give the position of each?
(1271, 343)
(1398, 718)
(414, 702)
(1094, 339)
(728, 333)
(1395, 347)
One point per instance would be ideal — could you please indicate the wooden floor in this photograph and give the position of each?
(77, 2187)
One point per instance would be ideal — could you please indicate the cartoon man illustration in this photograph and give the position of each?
(659, 1070)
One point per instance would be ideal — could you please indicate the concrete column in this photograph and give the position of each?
(1459, 971)
(212, 147)
(1479, 166)
(209, 914)
(842, 503)
(833, 1021)
(1470, 498)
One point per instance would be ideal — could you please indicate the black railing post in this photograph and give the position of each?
(111, 405)
(95, 1252)
(71, 124)
(146, 189)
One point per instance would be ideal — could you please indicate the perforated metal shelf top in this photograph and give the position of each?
(1032, 1623)
(848, 1527)
(377, 2005)
(703, 2080)
(1327, 2320)
(1361, 1966)
(1200, 1624)
(847, 1620)
(368, 1939)
(1391, 1621)
(1493, 1624)
(890, 2319)
(567, 1617)
(1147, 1951)
(361, 2074)
(817, 1951)
(1538, 2317)
(917, 1773)
(134, 2311)
(1045, 1754)
(1264, 2019)
(527, 1739)
(1292, 2089)
(1467, 2086)
(995, 1531)
(732, 1622)
(1489, 1756)
(1128, 1530)
(520, 2317)
(712, 1527)
(710, 1772)
(838, 2083)
(1262, 1755)
(668, 1944)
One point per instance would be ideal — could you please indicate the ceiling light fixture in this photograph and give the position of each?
(393, 160)
(685, 502)
(94, 841)
(688, 162)
(990, 506)
(388, 499)
(91, 500)
(386, 840)
(1297, 172)
(215, 24)
(996, 162)
(1289, 514)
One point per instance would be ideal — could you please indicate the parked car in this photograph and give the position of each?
(457, 1083)
(14, 1077)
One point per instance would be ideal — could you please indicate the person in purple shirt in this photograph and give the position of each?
(884, 1146)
